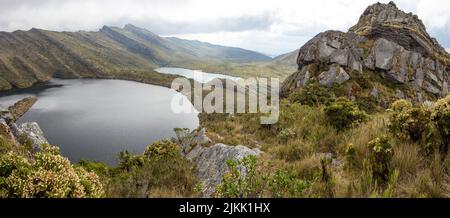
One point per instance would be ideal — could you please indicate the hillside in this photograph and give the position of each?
(347, 128)
(37, 55)
(362, 117)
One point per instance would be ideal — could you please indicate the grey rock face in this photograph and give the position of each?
(399, 94)
(334, 75)
(374, 92)
(34, 133)
(431, 88)
(13, 132)
(211, 163)
(210, 160)
(384, 53)
(386, 41)
(340, 57)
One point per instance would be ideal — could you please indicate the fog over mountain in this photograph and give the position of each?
(270, 27)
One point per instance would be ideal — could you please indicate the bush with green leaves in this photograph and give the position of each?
(313, 94)
(441, 116)
(350, 154)
(284, 135)
(160, 171)
(46, 175)
(343, 114)
(381, 153)
(244, 180)
(162, 150)
(408, 122)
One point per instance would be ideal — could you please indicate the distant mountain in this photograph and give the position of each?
(288, 58)
(27, 57)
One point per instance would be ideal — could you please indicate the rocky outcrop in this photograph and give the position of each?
(211, 160)
(34, 134)
(211, 163)
(334, 75)
(386, 41)
(25, 132)
(21, 107)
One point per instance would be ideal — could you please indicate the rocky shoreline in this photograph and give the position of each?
(209, 158)
(29, 133)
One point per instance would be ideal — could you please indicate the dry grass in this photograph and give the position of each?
(412, 174)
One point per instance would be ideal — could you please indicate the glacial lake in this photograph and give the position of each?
(197, 75)
(94, 119)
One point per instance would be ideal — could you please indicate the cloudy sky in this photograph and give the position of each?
(269, 26)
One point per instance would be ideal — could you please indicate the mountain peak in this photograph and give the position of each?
(386, 41)
(387, 15)
(129, 26)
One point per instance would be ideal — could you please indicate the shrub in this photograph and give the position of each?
(381, 153)
(441, 116)
(293, 151)
(350, 153)
(285, 134)
(343, 114)
(162, 150)
(160, 171)
(47, 176)
(284, 184)
(243, 180)
(240, 181)
(367, 104)
(409, 122)
(313, 94)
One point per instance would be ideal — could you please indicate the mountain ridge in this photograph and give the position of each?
(37, 55)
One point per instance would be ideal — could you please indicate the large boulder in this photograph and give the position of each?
(334, 75)
(211, 163)
(211, 160)
(33, 134)
(384, 53)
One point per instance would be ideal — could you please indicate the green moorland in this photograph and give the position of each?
(324, 145)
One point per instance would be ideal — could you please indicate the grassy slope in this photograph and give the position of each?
(301, 153)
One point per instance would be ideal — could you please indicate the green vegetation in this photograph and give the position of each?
(381, 153)
(394, 153)
(160, 172)
(313, 94)
(343, 114)
(46, 175)
(245, 180)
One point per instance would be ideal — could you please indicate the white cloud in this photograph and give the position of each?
(266, 42)
(270, 26)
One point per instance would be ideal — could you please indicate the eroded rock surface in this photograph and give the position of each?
(23, 133)
(211, 160)
(385, 41)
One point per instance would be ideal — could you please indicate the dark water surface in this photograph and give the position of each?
(96, 119)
